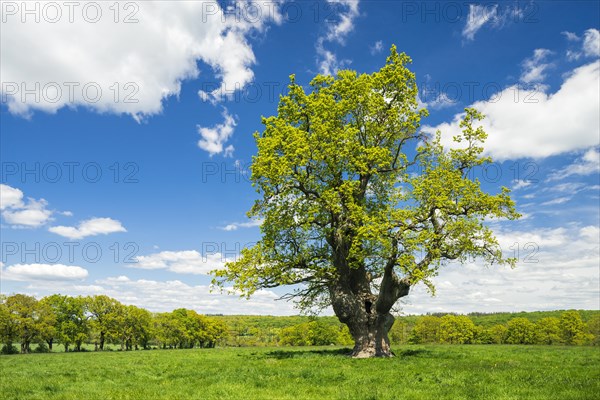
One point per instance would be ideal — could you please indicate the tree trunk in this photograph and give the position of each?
(50, 341)
(24, 347)
(101, 341)
(367, 315)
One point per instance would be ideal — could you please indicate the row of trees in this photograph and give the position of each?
(98, 320)
(459, 329)
(73, 321)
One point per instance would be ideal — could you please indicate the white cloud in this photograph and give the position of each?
(441, 101)
(327, 60)
(90, 227)
(146, 60)
(236, 225)
(43, 272)
(534, 67)
(376, 48)
(572, 37)
(18, 213)
(491, 15)
(10, 197)
(213, 139)
(588, 164)
(181, 262)
(557, 269)
(573, 55)
(520, 184)
(558, 200)
(590, 46)
(346, 11)
(479, 15)
(168, 295)
(591, 43)
(528, 123)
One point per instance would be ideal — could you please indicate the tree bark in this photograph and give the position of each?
(371, 336)
(367, 315)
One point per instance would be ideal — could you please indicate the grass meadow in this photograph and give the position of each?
(489, 372)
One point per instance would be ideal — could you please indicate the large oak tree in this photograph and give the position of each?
(358, 205)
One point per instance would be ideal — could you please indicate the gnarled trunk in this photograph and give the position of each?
(371, 339)
(367, 315)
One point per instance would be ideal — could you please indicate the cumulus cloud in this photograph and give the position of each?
(347, 13)
(213, 139)
(236, 225)
(533, 123)
(181, 262)
(534, 68)
(16, 212)
(43, 272)
(90, 227)
(168, 295)
(557, 269)
(337, 31)
(10, 197)
(590, 46)
(591, 43)
(126, 67)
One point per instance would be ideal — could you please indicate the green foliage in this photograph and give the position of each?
(26, 319)
(520, 331)
(106, 316)
(314, 333)
(72, 327)
(9, 349)
(547, 331)
(573, 328)
(426, 330)
(594, 329)
(339, 200)
(456, 329)
(186, 329)
(498, 334)
(399, 334)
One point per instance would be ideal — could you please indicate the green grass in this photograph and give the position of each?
(418, 372)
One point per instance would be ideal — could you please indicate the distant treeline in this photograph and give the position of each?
(103, 323)
(569, 327)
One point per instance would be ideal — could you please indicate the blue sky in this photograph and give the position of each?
(126, 134)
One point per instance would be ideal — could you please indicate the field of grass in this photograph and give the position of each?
(418, 372)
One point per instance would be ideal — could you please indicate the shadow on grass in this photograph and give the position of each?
(283, 354)
(410, 352)
(343, 352)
